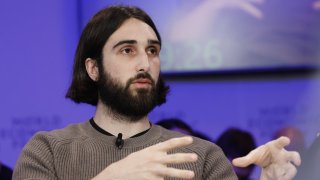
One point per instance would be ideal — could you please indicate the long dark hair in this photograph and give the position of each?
(93, 38)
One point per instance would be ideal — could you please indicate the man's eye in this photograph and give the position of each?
(153, 51)
(127, 51)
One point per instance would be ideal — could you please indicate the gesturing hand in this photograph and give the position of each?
(277, 163)
(151, 163)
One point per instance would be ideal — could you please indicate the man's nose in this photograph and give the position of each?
(143, 63)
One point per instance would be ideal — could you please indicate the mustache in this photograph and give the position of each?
(143, 75)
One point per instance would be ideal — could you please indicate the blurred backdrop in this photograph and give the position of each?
(250, 64)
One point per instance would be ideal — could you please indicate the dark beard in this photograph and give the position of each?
(122, 102)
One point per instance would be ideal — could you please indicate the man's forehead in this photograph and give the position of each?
(134, 29)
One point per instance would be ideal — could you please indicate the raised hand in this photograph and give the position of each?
(151, 163)
(276, 162)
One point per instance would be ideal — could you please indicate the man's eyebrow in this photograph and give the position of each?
(154, 42)
(125, 42)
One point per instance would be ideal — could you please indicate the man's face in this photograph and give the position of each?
(128, 81)
(132, 49)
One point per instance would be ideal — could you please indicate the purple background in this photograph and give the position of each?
(37, 43)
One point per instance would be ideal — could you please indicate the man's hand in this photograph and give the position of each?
(276, 162)
(151, 163)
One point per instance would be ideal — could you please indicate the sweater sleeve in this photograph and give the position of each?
(217, 166)
(36, 160)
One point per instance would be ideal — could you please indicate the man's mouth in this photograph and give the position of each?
(142, 83)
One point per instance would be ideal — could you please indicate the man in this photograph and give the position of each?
(117, 69)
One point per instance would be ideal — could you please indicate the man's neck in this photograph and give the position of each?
(114, 123)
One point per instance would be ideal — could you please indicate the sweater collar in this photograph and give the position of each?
(152, 136)
(98, 128)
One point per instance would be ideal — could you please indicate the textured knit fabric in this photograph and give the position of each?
(81, 152)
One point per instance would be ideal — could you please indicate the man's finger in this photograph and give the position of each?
(177, 173)
(281, 142)
(173, 143)
(294, 157)
(246, 160)
(179, 158)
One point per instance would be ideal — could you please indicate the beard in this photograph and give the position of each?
(133, 104)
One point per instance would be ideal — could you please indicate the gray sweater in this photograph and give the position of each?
(80, 151)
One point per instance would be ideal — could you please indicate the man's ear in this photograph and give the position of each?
(92, 69)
